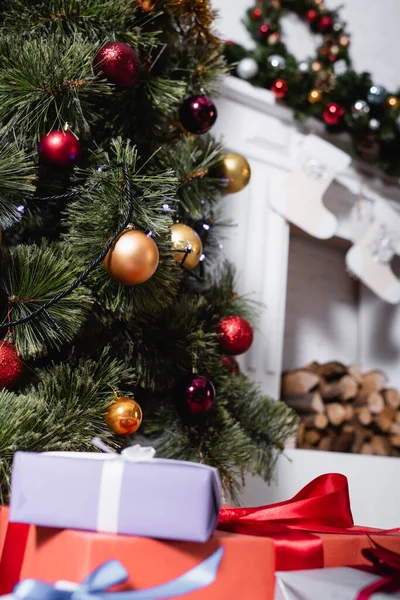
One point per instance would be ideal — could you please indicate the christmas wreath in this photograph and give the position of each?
(324, 86)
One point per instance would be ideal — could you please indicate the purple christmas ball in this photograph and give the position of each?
(198, 114)
(199, 394)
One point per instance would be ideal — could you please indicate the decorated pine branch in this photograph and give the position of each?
(325, 86)
(118, 316)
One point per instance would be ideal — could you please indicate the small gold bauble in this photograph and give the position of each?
(147, 5)
(316, 66)
(334, 49)
(234, 170)
(314, 96)
(184, 238)
(393, 102)
(124, 416)
(133, 258)
(273, 39)
(344, 41)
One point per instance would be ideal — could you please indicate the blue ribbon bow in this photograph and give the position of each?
(110, 573)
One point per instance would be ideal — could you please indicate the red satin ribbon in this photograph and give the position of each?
(385, 562)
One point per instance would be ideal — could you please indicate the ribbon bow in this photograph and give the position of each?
(110, 573)
(385, 562)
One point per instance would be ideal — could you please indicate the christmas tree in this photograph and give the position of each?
(116, 308)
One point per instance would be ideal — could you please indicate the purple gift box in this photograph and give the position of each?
(131, 493)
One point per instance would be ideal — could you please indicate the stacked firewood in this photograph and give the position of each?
(343, 409)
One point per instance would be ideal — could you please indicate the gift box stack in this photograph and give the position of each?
(149, 525)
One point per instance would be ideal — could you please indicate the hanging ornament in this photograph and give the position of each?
(199, 394)
(256, 14)
(197, 114)
(234, 170)
(118, 63)
(247, 68)
(314, 96)
(280, 88)
(374, 124)
(333, 113)
(393, 102)
(235, 334)
(10, 365)
(303, 66)
(273, 39)
(231, 364)
(264, 31)
(316, 66)
(147, 6)
(311, 16)
(186, 245)
(377, 94)
(59, 148)
(325, 24)
(344, 41)
(325, 80)
(133, 258)
(276, 61)
(340, 67)
(360, 109)
(124, 416)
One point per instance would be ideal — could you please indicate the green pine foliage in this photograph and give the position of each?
(146, 339)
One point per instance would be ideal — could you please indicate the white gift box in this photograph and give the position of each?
(340, 583)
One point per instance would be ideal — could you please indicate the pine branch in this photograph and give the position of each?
(63, 411)
(31, 275)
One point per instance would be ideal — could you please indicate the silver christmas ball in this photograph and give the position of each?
(340, 67)
(374, 124)
(247, 68)
(277, 61)
(303, 66)
(359, 109)
(376, 94)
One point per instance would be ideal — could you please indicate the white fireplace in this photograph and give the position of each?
(310, 307)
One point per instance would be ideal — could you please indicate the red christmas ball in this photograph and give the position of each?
(59, 148)
(311, 15)
(198, 114)
(264, 31)
(118, 63)
(199, 394)
(10, 365)
(280, 88)
(235, 334)
(332, 114)
(256, 14)
(325, 24)
(231, 364)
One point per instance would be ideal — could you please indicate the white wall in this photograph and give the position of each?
(374, 27)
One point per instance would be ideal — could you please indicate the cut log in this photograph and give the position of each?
(364, 416)
(326, 443)
(301, 431)
(355, 372)
(343, 389)
(344, 440)
(319, 421)
(375, 403)
(349, 412)
(395, 428)
(380, 445)
(374, 381)
(332, 370)
(392, 398)
(312, 436)
(366, 448)
(313, 366)
(385, 419)
(397, 417)
(299, 381)
(395, 440)
(336, 413)
(305, 403)
(361, 435)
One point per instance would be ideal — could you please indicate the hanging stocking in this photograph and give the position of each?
(369, 258)
(300, 199)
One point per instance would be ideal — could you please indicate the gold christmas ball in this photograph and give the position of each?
(314, 96)
(234, 170)
(334, 49)
(133, 258)
(393, 102)
(273, 39)
(147, 5)
(184, 238)
(344, 41)
(124, 416)
(316, 66)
